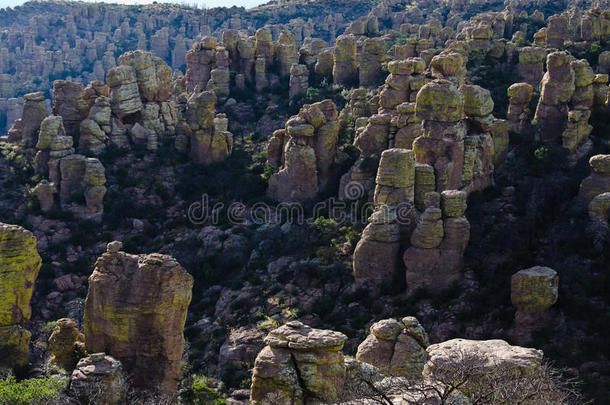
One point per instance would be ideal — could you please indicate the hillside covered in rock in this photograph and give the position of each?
(306, 202)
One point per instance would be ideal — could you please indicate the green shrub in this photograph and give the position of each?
(200, 394)
(29, 392)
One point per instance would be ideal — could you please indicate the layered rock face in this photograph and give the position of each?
(300, 365)
(557, 89)
(199, 63)
(397, 348)
(345, 67)
(201, 133)
(67, 344)
(533, 291)
(19, 266)
(135, 311)
(519, 96)
(101, 377)
(595, 188)
(435, 258)
(304, 152)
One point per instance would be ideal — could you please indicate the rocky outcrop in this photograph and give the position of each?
(441, 107)
(408, 126)
(435, 258)
(377, 254)
(575, 138)
(19, 266)
(206, 135)
(598, 182)
(70, 104)
(53, 144)
(153, 75)
(557, 31)
(345, 67)
(371, 56)
(96, 129)
(101, 377)
(34, 111)
(199, 62)
(299, 365)
(135, 311)
(531, 65)
(124, 94)
(519, 97)
(299, 80)
(67, 344)
(287, 54)
(396, 348)
(309, 147)
(557, 88)
(533, 291)
(489, 354)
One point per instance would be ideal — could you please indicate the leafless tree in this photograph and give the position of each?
(465, 378)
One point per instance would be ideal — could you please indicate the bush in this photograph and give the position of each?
(200, 394)
(29, 392)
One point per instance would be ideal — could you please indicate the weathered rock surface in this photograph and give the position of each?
(67, 344)
(19, 266)
(299, 365)
(397, 348)
(135, 311)
(99, 376)
(309, 145)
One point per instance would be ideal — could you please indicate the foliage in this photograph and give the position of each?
(199, 393)
(30, 392)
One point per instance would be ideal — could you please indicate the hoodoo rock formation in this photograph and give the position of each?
(304, 153)
(299, 365)
(19, 266)
(135, 311)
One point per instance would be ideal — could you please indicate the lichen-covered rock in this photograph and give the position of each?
(599, 208)
(373, 52)
(45, 194)
(519, 96)
(477, 100)
(153, 75)
(299, 365)
(396, 348)
(377, 254)
(101, 377)
(534, 289)
(19, 266)
(599, 180)
(135, 311)
(345, 68)
(557, 88)
(453, 203)
(309, 147)
(70, 104)
(531, 65)
(34, 111)
(299, 80)
(440, 101)
(67, 344)
(124, 93)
